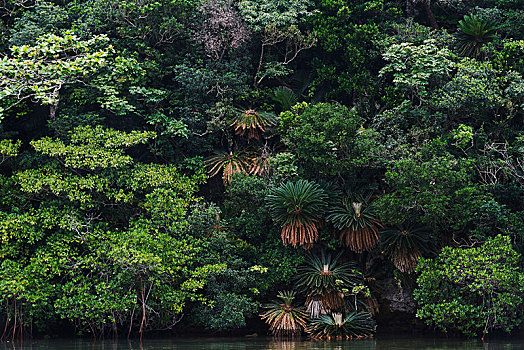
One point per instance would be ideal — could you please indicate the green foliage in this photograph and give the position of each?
(416, 68)
(472, 290)
(110, 222)
(38, 72)
(46, 18)
(150, 22)
(510, 56)
(98, 267)
(285, 97)
(322, 136)
(9, 148)
(349, 34)
(248, 219)
(481, 94)
(281, 14)
(231, 292)
(227, 311)
(93, 148)
(438, 189)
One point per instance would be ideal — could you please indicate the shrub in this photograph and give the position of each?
(472, 290)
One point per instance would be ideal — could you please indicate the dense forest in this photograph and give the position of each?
(324, 167)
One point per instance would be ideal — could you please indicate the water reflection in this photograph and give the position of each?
(265, 344)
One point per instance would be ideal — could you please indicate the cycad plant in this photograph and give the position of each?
(260, 164)
(473, 32)
(332, 190)
(358, 223)
(284, 318)
(285, 96)
(354, 325)
(322, 279)
(252, 122)
(229, 163)
(405, 244)
(298, 207)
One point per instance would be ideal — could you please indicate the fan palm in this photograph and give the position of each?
(405, 244)
(298, 207)
(358, 223)
(284, 318)
(252, 122)
(354, 325)
(229, 163)
(285, 96)
(322, 279)
(473, 33)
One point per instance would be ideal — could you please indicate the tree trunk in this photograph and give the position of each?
(411, 11)
(426, 5)
(410, 8)
(52, 112)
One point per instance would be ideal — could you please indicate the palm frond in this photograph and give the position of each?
(252, 122)
(314, 306)
(322, 279)
(227, 163)
(324, 274)
(354, 325)
(260, 164)
(298, 207)
(358, 223)
(284, 318)
(285, 96)
(405, 244)
(473, 32)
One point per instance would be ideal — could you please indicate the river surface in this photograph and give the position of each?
(267, 344)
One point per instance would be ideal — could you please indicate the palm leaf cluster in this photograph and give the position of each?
(473, 32)
(321, 275)
(285, 97)
(298, 207)
(229, 163)
(358, 223)
(335, 326)
(252, 122)
(284, 318)
(241, 162)
(322, 279)
(405, 244)
(260, 164)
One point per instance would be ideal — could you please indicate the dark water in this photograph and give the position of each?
(267, 344)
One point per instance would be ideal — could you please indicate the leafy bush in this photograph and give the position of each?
(322, 136)
(472, 290)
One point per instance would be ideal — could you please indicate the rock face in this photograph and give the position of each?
(400, 299)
